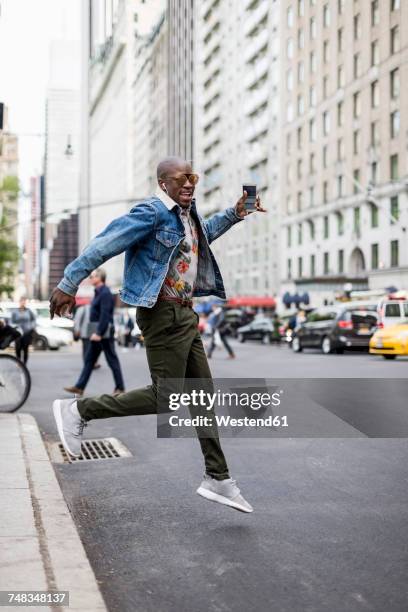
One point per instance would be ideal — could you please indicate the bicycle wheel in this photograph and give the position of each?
(15, 383)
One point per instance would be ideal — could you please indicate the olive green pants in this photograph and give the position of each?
(174, 350)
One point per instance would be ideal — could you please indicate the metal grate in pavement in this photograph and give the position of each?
(94, 450)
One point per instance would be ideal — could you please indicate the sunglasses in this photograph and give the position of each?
(181, 179)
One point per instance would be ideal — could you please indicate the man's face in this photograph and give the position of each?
(23, 303)
(95, 280)
(180, 191)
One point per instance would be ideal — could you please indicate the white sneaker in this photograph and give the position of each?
(70, 425)
(224, 492)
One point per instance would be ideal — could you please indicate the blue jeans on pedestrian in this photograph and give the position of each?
(107, 345)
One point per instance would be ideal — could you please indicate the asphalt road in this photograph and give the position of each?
(329, 527)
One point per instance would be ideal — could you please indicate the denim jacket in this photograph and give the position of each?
(150, 234)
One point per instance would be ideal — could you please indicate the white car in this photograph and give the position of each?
(392, 312)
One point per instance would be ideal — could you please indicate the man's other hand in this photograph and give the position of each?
(240, 206)
(95, 338)
(61, 303)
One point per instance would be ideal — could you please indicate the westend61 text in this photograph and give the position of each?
(227, 421)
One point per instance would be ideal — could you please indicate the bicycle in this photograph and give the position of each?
(15, 379)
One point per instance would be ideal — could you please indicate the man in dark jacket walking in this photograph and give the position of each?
(101, 336)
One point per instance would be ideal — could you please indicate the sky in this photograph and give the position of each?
(27, 28)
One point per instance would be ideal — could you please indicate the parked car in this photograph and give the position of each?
(337, 328)
(46, 335)
(259, 329)
(390, 341)
(392, 312)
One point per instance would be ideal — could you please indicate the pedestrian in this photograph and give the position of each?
(129, 327)
(101, 336)
(219, 326)
(81, 329)
(168, 261)
(24, 320)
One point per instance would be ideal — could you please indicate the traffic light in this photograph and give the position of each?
(1, 115)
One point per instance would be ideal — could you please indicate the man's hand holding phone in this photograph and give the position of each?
(242, 211)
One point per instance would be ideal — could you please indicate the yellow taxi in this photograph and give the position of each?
(390, 341)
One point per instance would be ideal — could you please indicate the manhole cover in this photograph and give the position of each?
(92, 450)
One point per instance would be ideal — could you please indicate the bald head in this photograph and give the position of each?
(168, 165)
(169, 172)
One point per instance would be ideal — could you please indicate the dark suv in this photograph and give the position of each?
(335, 329)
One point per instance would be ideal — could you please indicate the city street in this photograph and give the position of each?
(329, 526)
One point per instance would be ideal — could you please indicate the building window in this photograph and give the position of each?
(325, 263)
(325, 227)
(300, 267)
(340, 149)
(288, 205)
(356, 220)
(325, 192)
(340, 183)
(312, 163)
(289, 80)
(312, 265)
(326, 16)
(289, 268)
(394, 209)
(374, 215)
(340, 223)
(312, 96)
(395, 4)
(301, 72)
(300, 233)
(357, 27)
(340, 6)
(356, 105)
(300, 105)
(395, 124)
(326, 51)
(301, 8)
(340, 114)
(374, 133)
(394, 83)
(288, 143)
(357, 65)
(299, 136)
(356, 181)
(394, 253)
(299, 168)
(289, 48)
(289, 236)
(324, 156)
(374, 256)
(340, 40)
(340, 77)
(356, 142)
(394, 173)
(373, 173)
(375, 53)
(301, 39)
(340, 261)
(395, 40)
(326, 123)
(313, 62)
(375, 13)
(312, 28)
(375, 94)
(311, 196)
(289, 17)
(312, 130)
(289, 113)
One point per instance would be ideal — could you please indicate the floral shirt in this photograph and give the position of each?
(182, 273)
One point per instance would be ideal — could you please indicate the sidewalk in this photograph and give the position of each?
(40, 548)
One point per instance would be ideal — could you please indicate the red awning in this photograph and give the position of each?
(252, 300)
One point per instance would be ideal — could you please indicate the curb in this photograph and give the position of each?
(65, 564)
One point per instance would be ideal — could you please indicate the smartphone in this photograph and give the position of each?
(250, 201)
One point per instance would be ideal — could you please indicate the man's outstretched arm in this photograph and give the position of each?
(118, 236)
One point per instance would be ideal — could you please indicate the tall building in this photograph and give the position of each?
(8, 172)
(32, 239)
(344, 132)
(237, 132)
(181, 69)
